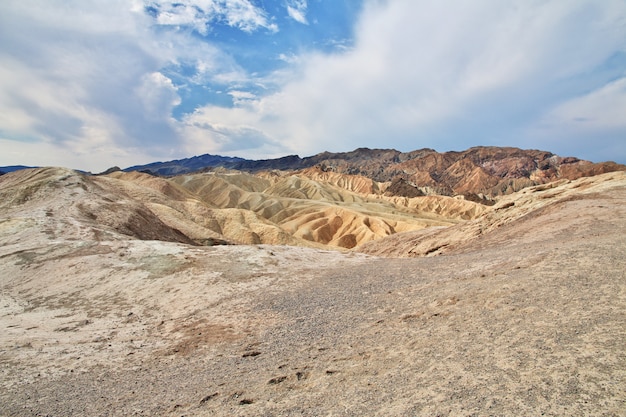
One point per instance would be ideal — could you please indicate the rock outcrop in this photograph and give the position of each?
(479, 173)
(508, 217)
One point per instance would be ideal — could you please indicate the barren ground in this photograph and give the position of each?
(528, 319)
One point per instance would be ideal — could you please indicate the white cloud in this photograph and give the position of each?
(91, 82)
(94, 76)
(158, 96)
(296, 9)
(241, 97)
(232, 131)
(604, 108)
(593, 124)
(86, 156)
(419, 75)
(200, 14)
(245, 16)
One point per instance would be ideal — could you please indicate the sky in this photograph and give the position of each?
(91, 84)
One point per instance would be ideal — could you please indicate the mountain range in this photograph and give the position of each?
(372, 282)
(478, 174)
(489, 171)
(329, 200)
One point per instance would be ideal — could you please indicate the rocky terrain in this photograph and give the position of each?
(475, 173)
(131, 294)
(309, 208)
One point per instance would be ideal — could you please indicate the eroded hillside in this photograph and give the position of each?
(331, 209)
(303, 209)
(507, 217)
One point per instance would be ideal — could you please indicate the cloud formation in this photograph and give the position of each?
(297, 10)
(122, 82)
(487, 74)
(200, 14)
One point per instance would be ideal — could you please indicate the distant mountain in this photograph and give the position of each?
(345, 161)
(11, 168)
(184, 166)
(476, 173)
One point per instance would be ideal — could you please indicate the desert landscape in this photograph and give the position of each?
(491, 282)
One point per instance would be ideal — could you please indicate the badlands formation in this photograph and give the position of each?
(309, 293)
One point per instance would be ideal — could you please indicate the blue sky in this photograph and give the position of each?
(89, 84)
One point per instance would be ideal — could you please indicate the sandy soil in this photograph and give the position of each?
(528, 319)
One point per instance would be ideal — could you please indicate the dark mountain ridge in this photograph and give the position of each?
(475, 173)
(186, 165)
(11, 168)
